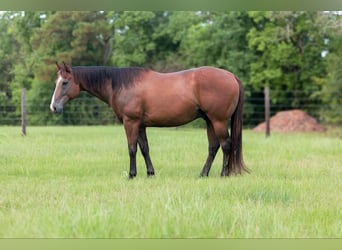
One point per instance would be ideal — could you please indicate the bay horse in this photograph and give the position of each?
(143, 98)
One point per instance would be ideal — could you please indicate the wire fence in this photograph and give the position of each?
(254, 110)
(88, 110)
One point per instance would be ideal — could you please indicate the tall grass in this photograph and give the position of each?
(73, 182)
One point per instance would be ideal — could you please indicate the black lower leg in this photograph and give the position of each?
(143, 144)
(132, 165)
(226, 145)
(211, 156)
(149, 166)
(213, 146)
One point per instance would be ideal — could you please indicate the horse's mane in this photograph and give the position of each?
(94, 77)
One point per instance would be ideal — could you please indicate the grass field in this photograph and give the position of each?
(72, 182)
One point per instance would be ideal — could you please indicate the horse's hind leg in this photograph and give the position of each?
(213, 146)
(221, 132)
(143, 144)
(226, 147)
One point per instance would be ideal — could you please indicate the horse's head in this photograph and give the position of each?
(66, 88)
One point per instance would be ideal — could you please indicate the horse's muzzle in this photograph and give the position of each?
(57, 109)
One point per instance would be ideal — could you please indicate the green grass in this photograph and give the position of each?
(72, 182)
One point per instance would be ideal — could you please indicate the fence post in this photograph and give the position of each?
(23, 111)
(267, 110)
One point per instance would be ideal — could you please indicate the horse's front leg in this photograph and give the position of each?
(143, 144)
(132, 132)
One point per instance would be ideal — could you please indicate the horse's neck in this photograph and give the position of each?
(104, 93)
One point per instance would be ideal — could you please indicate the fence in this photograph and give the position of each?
(255, 101)
(87, 110)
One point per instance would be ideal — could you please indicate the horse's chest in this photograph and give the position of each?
(127, 103)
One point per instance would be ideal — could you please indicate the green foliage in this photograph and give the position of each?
(23, 28)
(289, 48)
(133, 43)
(331, 92)
(218, 39)
(8, 48)
(282, 50)
(287, 44)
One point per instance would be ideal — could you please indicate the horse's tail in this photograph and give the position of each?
(235, 156)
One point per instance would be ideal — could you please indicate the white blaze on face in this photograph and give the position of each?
(58, 83)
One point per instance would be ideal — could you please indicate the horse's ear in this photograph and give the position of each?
(58, 66)
(67, 67)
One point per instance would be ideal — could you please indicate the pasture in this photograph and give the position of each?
(72, 182)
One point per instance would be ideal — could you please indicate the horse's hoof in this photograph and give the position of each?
(150, 174)
(132, 176)
(204, 174)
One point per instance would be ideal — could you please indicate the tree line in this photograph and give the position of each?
(296, 54)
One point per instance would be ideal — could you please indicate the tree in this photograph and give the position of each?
(219, 39)
(16, 68)
(23, 26)
(331, 92)
(8, 48)
(133, 44)
(288, 47)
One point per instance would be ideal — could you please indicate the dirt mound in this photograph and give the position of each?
(291, 121)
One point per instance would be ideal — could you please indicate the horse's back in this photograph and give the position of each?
(172, 99)
(186, 95)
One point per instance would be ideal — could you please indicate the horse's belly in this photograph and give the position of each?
(170, 115)
(157, 122)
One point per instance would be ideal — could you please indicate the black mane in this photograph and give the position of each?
(94, 77)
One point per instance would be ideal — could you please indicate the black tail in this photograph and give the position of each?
(236, 162)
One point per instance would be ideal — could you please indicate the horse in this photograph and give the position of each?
(142, 98)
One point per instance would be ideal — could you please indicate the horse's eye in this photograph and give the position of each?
(65, 83)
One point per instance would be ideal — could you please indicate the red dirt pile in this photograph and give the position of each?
(291, 121)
